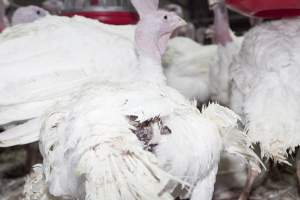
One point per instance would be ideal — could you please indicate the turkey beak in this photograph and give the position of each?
(179, 22)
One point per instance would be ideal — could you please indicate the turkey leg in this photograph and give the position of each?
(252, 174)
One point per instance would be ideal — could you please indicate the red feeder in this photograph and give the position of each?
(266, 8)
(108, 11)
(108, 17)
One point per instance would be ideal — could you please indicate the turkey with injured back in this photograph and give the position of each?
(91, 141)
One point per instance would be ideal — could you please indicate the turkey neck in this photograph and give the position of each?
(147, 43)
(221, 24)
(149, 47)
(2, 15)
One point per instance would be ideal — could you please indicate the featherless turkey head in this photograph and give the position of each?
(154, 28)
(28, 14)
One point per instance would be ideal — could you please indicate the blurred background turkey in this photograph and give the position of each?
(208, 60)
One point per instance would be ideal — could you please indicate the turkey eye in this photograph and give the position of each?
(38, 12)
(166, 17)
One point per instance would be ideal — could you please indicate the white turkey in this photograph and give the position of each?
(228, 47)
(24, 15)
(95, 132)
(54, 58)
(53, 64)
(264, 89)
(201, 72)
(187, 65)
(66, 61)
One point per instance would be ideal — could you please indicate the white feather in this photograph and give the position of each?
(54, 66)
(187, 65)
(91, 127)
(235, 141)
(25, 133)
(90, 137)
(35, 186)
(220, 70)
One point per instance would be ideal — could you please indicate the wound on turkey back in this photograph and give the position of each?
(147, 131)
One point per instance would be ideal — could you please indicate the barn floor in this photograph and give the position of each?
(279, 184)
(12, 169)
